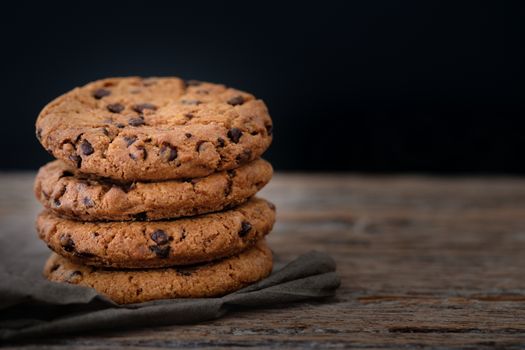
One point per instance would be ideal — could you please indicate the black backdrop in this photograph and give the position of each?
(374, 86)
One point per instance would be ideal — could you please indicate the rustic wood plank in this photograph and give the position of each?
(425, 263)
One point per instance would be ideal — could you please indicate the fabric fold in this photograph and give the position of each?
(39, 308)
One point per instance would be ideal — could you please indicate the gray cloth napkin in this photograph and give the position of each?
(34, 307)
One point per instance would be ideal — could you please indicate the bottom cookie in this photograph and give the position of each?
(133, 286)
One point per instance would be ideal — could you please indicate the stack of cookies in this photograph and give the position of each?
(152, 192)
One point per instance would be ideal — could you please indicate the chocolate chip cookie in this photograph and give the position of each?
(155, 128)
(133, 286)
(150, 244)
(65, 191)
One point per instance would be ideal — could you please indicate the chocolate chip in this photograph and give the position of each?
(115, 107)
(67, 242)
(220, 142)
(245, 228)
(269, 129)
(193, 82)
(245, 156)
(99, 93)
(234, 134)
(235, 101)
(86, 148)
(39, 133)
(129, 140)
(137, 121)
(139, 108)
(140, 153)
(88, 202)
(54, 268)
(191, 102)
(188, 135)
(160, 237)
(120, 125)
(189, 115)
(105, 131)
(56, 202)
(76, 159)
(199, 144)
(168, 152)
(95, 234)
(142, 216)
(160, 251)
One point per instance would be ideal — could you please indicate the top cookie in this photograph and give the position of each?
(155, 128)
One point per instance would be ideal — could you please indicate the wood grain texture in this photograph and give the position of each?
(424, 262)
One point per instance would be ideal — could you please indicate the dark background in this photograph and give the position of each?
(374, 86)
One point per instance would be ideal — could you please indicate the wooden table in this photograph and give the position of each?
(424, 262)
